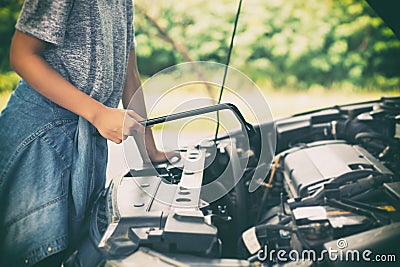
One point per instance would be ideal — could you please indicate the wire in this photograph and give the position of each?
(271, 177)
(228, 59)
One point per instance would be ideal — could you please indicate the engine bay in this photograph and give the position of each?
(333, 185)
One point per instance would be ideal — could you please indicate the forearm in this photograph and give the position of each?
(132, 96)
(26, 60)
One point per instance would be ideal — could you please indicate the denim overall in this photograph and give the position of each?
(52, 166)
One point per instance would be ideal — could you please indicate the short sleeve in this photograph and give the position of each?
(131, 26)
(45, 19)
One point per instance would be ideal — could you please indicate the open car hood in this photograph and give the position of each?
(388, 11)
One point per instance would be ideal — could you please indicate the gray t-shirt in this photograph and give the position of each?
(89, 41)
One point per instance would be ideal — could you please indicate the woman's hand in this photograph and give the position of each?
(148, 149)
(158, 156)
(132, 97)
(117, 124)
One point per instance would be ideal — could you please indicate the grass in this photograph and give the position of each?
(4, 96)
(284, 103)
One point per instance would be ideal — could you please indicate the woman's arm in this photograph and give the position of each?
(132, 98)
(26, 60)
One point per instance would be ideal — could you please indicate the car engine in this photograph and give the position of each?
(333, 186)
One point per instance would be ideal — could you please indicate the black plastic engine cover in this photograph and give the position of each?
(310, 166)
(151, 212)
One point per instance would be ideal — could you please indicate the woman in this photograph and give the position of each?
(77, 60)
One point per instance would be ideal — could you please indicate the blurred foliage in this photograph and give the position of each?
(292, 44)
(286, 44)
(9, 10)
(8, 81)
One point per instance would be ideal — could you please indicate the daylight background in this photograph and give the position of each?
(301, 54)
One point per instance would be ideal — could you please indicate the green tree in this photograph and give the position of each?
(292, 43)
(9, 10)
